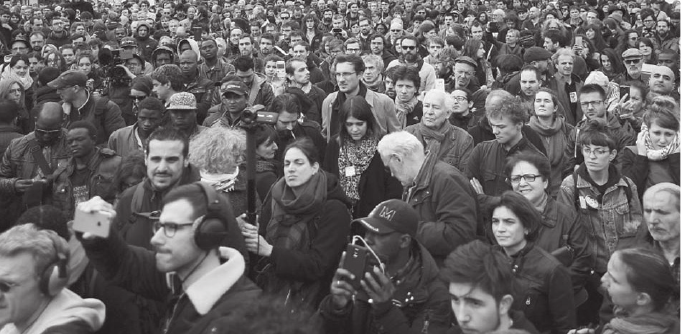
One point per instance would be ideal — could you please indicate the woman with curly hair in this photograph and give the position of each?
(219, 152)
(56, 60)
(86, 65)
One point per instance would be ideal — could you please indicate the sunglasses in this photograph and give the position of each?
(47, 132)
(409, 47)
(632, 61)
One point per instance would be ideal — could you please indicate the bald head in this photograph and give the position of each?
(667, 188)
(50, 113)
(188, 63)
(495, 99)
(661, 80)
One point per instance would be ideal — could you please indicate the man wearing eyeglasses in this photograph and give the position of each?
(410, 57)
(194, 264)
(80, 104)
(592, 101)
(633, 62)
(29, 161)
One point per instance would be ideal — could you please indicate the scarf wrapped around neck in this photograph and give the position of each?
(548, 133)
(293, 209)
(657, 154)
(25, 81)
(651, 323)
(433, 138)
(358, 155)
(336, 105)
(403, 109)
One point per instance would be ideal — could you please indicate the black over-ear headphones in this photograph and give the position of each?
(212, 229)
(55, 277)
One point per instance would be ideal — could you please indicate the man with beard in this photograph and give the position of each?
(88, 173)
(37, 40)
(29, 162)
(234, 100)
(633, 62)
(377, 47)
(132, 138)
(260, 92)
(266, 45)
(327, 20)
(405, 83)
(213, 68)
(533, 56)
(194, 83)
(530, 82)
(365, 32)
(182, 111)
(80, 104)
(665, 38)
(289, 127)
(349, 70)
(410, 57)
(298, 76)
(58, 36)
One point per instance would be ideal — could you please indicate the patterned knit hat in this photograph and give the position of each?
(182, 101)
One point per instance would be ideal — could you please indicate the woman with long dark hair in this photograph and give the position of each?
(641, 285)
(647, 48)
(611, 63)
(303, 229)
(475, 49)
(593, 34)
(312, 32)
(352, 156)
(546, 295)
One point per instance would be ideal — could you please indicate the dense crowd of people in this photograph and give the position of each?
(418, 167)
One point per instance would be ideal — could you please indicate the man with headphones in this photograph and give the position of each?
(206, 280)
(33, 277)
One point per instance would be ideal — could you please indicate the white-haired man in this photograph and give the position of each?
(438, 191)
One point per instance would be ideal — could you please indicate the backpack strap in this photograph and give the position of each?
(40, 158)
(575, 195)
(137, 197)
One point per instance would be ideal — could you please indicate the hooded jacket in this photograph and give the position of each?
(420, 303)
(66, 313)
(192, 43)
(146, 45)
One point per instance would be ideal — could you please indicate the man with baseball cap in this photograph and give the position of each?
(182, 111)
(402, 293)
(80, 104)
(234, 100)
(633, 62)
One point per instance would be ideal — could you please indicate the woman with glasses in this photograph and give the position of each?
(607, 201)
(561, 231)
(353, 158)
(545, 295)
(303, 228)
(655, 158)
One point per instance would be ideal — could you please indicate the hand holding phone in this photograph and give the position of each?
(93, 218)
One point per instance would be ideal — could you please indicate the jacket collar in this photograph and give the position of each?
(208, 289)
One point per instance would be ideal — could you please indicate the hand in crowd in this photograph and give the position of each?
(627, 107)
(378, 286)
(96, 204)
(341, 290)
(477, 186)
(255, 243)
(21, 185)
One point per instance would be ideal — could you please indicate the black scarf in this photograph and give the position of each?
(614, 177)
(335, 107)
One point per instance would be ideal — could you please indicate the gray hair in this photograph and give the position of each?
(27, 238)
(447, 98)
(402, 143)
(374, 59)
(562, 52)
(218, 150)
(667, 187)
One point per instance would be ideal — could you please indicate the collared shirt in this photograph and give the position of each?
(217, 72)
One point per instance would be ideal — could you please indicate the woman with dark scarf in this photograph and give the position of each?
(546, 295)
(303, 228)
(641, 285)
(553, 130)
(267, 168)
(352, 157)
